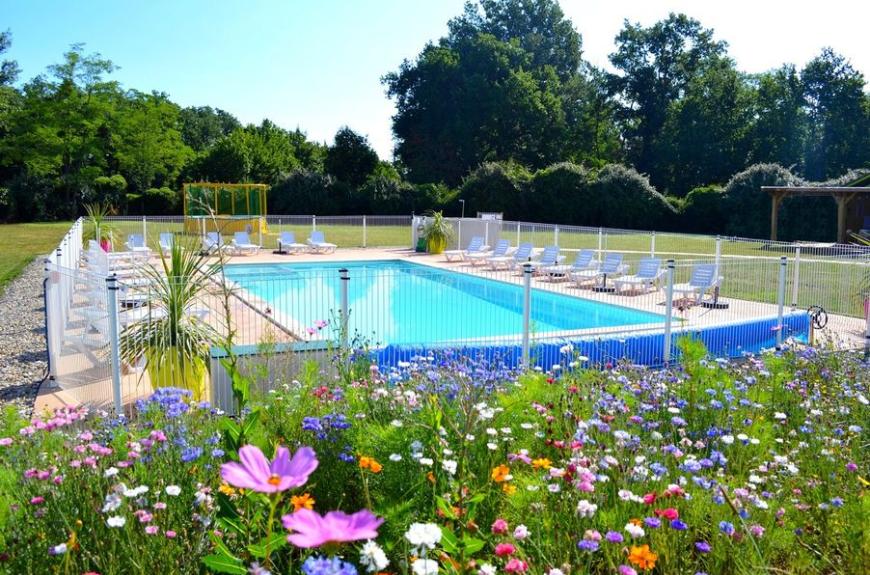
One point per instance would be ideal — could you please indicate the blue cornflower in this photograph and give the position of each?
(588, 545)
(703, 546)
(726, 528)
(837, 502)
(678, 525)
(327, 566)
(191, 453)
(217, 453)
(652, 522)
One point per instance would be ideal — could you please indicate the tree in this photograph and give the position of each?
(838, 120)
(8, 68)
(656, 65)
(705, 136)
(202, 126)
(779, 129)
(350, 159)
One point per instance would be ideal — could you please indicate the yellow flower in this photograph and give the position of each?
(304, 501)
(370, 463)
(642, 557)
(509, 489)
(542, 463)
(226, 489)
(501, 473)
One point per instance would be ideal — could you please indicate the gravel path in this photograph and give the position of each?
(23, 356)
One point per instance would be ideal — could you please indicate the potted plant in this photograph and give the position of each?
(437, 232)
(98, 228)
(174, 341)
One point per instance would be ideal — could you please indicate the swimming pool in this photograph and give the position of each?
(395, 302)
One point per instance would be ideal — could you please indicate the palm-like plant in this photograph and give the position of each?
(173, 340)
(98, 228)
(437, 232)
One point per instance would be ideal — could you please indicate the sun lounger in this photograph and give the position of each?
(649, 273)
(549, 257)
(704, 279)
(243, 245)
(584, 261)
(501, 249)
(317, 243)
(520, 256)
(214, 242)
(611, 266)
(475, 246)
(287, 244)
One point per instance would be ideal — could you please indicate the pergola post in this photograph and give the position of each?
(842, 209)
(775, 201)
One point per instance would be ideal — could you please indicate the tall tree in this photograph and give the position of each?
(656, 65)
(839, 126)
(350, 158)
(202, 126)
(779, 129)
(8, 68)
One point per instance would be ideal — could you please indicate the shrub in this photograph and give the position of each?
(305, 192)
(386, 195)
(559, 193)
(497, 187)
(703, 211)
(160, 201)
(623, 198)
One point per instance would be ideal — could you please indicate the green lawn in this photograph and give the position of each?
(21, 243)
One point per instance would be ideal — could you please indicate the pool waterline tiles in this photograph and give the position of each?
(399, 302)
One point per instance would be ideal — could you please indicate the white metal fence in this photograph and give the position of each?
(278, 316)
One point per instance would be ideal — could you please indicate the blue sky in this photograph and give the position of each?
(316, 64)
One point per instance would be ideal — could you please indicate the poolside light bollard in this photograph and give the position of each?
(345, 279)
(780, 300)
(527, 312)
(114, 341)
(669, 308)
(797, 275)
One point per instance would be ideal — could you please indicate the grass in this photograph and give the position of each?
(21, 243)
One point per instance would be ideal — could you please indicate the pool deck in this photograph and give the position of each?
(86, 377)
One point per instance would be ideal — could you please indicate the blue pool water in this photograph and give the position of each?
(397, 302)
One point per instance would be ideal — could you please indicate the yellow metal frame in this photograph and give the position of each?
(228, 222)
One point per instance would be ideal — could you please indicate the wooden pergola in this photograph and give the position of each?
(842, 196)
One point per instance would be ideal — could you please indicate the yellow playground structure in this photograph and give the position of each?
(224, 208)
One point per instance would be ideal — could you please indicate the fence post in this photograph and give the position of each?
(345, 279)
(518, 233)
(600, 240)
(527, 312)
(51, 322)
(718, 253)
(867, 328)
(114, 341)
(556, 235)
(780, 300)
(365, 238)
(313, 223)
(260, 223)
(487, 233)
(797, 277)
(669, 308)
(459, 235)
(652, 245)
(145, 230)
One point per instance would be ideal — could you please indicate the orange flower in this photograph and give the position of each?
(542, 463)
(431, 477)
(370, 463)
(636, 522)
(642, 557)
(304, 501)
(509, 489)
(226, 489)
(501, 473)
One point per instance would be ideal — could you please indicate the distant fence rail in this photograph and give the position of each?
(761, 295)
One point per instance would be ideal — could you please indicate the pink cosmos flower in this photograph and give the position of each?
(170, 534)
(499, 527)
(257, 473)
(6, 441)
(516, 566)
(152, 530)
(503, 549)
(313, 530)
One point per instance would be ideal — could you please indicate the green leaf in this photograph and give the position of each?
(276, 541)
(449, 542)
(472, 544)
(221, 563)
(445, 508)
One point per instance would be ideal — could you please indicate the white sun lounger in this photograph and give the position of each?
(475, 246)
(500, 250)
(611, 267)
(521, 255)
(649, 273)
(549, 257)
(317, 243)
(287, 244)
(703, 280)
(584, 261)
(243, 245)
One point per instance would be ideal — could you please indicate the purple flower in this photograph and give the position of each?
(588, 545)
(678, 525)
(256, 473)
(703, 546)
(614, 537)
(726, 528)
(310, 529)
(652, 522)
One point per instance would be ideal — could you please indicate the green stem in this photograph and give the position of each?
(273, 504)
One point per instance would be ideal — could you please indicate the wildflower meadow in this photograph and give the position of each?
(451, 464)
